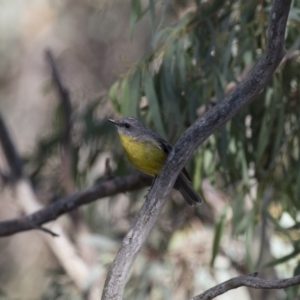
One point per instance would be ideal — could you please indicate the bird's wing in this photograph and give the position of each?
(163, 145)
(166, 147)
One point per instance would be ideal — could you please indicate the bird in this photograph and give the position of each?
(147, 151)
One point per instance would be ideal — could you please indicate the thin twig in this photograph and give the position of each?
(189, 141)
(249, 281)
(64, 97)
(267, 195)
(66, 153)
(68, 203)
(47, 231)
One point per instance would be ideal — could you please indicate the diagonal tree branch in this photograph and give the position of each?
(189, 141)
(68, 203)
(249, 281)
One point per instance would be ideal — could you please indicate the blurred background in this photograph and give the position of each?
(167, 63)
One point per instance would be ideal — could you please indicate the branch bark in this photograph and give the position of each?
(189, 141)
(68, 203)
(249, 281)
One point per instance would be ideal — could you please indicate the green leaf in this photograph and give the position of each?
(207, 161)
(239, 220)
(197, 169)
(227, 53)
(297, 270)
(218, 233)
(298, 181)
(160, 36)
(153, 104)
(295, 14)
(135, 14)
(279, 132)
(277, 225)
(218, 86)
(112, 94)
(180, 54)
(125, 97)
(283, 259)
(135, 94)
(243, 161)
(75, 159)
(248, 244)
(152, 14)
(170, 102)
(223, 146)
(292, 292)
(267, 124)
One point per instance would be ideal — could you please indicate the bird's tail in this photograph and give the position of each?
(185, 188)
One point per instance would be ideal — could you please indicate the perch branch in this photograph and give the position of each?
(189, 141)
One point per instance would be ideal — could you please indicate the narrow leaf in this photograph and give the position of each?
(112, 94)
(218, 234)
(153, 104)
(135, 14)
(125, 97)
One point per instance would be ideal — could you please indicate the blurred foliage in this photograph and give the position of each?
(213, 44)
(190, 66)
(61, 288)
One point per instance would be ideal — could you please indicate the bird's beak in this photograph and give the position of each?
(112, 121)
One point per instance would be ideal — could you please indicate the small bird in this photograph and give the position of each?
(147, 151)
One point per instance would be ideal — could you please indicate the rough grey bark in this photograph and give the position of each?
(189, 141)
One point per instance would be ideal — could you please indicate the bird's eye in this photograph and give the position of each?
(127, 125)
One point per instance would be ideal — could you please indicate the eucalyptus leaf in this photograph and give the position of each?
(154, 104)
(219, 227)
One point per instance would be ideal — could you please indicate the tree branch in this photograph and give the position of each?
(66, 151)
(249, 281)
(189, 141)
(68, 203)
(64, 98)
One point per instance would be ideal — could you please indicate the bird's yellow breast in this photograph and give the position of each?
(144, 155)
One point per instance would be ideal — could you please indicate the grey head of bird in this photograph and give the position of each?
(130, 126)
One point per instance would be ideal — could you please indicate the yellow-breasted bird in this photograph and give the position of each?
(147, 151)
